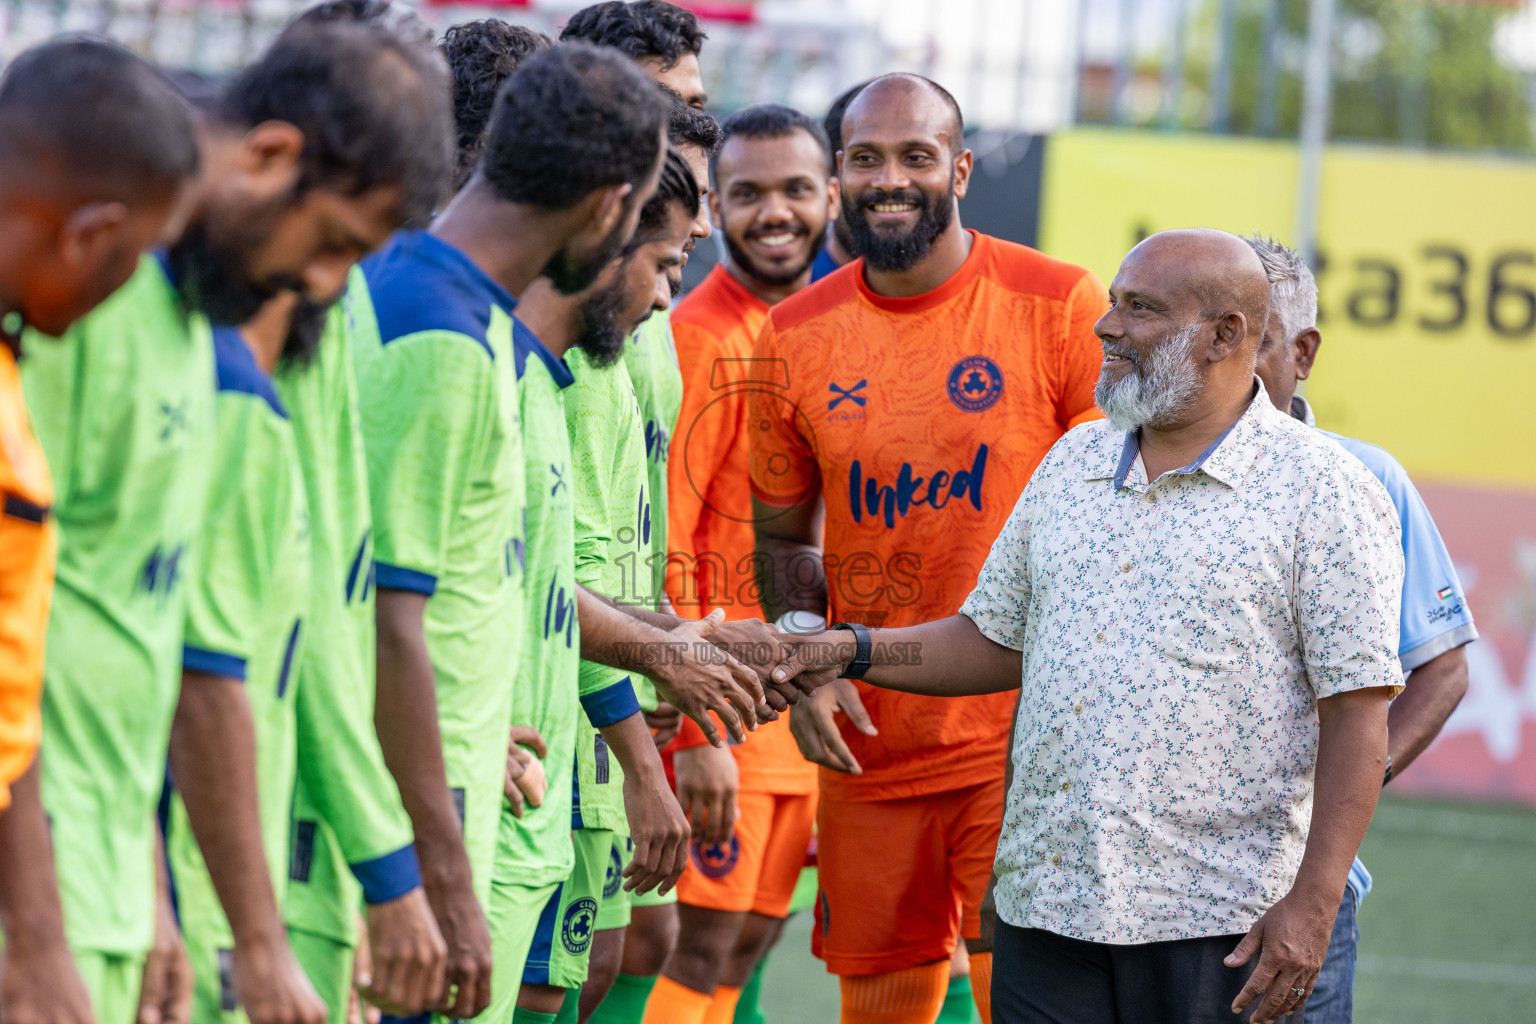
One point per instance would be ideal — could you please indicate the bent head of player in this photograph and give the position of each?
(640, 281)
(696, 136)
(1163, 343)
(580, 134)
(481, 54)
(317, 153)
(98, 164)
(903, 171)
(663, 38)
(772, 196)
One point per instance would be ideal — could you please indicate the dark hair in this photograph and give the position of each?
(832, 124)
(393, 17)
(646, 28)
(690, 126)
(481, 54)
(572, 119)
(89, 118)
(676, 185)
(767, 121)
(374, 109)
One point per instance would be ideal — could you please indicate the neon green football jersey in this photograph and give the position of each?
(351, 836)
(535, 849)
(444, 441)
(610, 488)
(124, 408)
(247, 598)
(651, 358)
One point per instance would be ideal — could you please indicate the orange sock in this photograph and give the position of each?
(722, 1008)
(912, 996)
(981, 985)
(671, 1003)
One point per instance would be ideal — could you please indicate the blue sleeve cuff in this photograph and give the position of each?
(214, 663)
(612, 704)
(388, 877)
(396, 577)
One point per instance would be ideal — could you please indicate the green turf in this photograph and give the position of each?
(1448, 936)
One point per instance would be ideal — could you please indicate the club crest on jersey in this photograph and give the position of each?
(576, 928)
(976, 383)
(716, 860)
(615, 876)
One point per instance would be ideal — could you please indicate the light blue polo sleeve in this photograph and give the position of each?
(1436, 617)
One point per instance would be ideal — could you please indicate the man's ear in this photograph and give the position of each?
(1231, 331)
(606, 207)
(270, 153)
(90, 232)
(1304, 348)
(834, 199)
(963, 165)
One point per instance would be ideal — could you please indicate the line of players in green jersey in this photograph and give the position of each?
(357, 629)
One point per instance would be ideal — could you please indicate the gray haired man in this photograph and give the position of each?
(1436, 622)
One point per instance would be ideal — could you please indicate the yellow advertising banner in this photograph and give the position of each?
(1426, 276)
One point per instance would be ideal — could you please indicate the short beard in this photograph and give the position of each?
(772, 278)
(570, 275)
(902, 253)
(601, 334)
(306, 327)
(212, 279)
(1153, 396)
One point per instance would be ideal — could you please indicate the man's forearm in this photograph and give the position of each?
(630, 741)
(611, 636)
(790, 572)
(1434, 690)
(213, 761)
(29, 890)
(405, 717)
(946, 658)
(661, 619)
(1351, 756)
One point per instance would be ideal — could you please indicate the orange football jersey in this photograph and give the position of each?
(921, 419)
(28, 541)
(709, 499)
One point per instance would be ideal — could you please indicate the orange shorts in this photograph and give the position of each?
(900, 879)
(757, 870)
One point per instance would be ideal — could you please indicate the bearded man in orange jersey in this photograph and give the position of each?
(919, 387)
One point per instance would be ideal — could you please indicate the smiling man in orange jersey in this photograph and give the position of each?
(921, 385)
(772, 199)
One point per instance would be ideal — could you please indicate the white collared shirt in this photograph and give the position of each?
(1177, 636)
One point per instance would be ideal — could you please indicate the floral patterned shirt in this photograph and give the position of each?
(1177, 636)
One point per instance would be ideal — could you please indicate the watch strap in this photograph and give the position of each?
(862, 649)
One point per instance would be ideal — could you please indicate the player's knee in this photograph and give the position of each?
(650, 940)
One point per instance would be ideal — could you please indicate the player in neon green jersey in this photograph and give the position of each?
(609, 491)
(248, 594)
(99, 163)
(131, 400)
(445, 451)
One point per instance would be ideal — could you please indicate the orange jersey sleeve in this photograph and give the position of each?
(922, 418)
(27, 545)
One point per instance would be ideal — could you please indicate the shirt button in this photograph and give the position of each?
(1099, 637)
(1056, 859)
(1125, 566)
(1066, 787)
(1077, 709)
(1151, 498)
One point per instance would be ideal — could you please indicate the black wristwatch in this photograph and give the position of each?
(861, 649)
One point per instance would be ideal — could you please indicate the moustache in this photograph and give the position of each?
(901, 195)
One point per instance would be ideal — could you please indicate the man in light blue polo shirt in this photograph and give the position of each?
(1436, 626)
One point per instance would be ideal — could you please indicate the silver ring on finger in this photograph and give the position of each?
(1299, 993)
